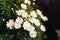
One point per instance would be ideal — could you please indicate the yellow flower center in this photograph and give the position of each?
(19, 20)
(17, 25)
(11, 24)
(32, 33)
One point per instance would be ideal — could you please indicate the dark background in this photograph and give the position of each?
(51, 8)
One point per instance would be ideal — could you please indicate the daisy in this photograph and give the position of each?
(36, 22)
(24, 14)
(18, 12)
(19, 20)
(23, 11)
(42, 27)
(39, 12)
(32, 28)
(33, 14)
(10, 24)
(23, 6)
(17, 25)
(44, 18)
(33, 34)
(26, 25)
(27, 2)
(31, 19)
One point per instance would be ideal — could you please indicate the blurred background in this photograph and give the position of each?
(51, 9)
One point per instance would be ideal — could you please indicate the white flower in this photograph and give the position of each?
(39, 12)
(10, 24)
(36, 22)
(23, 6)
(27, 26)
(31, 19)
(18, 12)
(33, 14)
(24, 14)
(27, 2)
(29, 16)
(17, 25)
(44, 18)
(19, 20)
(23, 11)
(42, 27)
(33, 34)
(32, 28)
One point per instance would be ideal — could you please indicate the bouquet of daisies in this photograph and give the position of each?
(21, 20)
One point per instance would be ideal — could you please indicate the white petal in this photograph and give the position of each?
(27, 26)
(39, 12)
(36, 22)
(31, 20)
(24, 14)
(7, 24)
(33, 34)
(10, 24)
(19, 20)
(27, 2)
(33, 14)
(44, 18)
(23, 11)
(17, 25)
(18, 12)
(42, 28)
(23, 6)
(32, 28)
